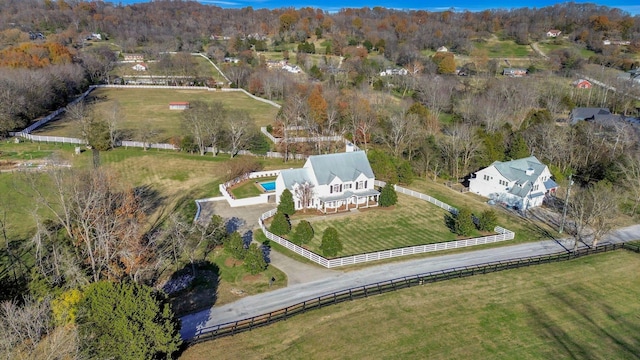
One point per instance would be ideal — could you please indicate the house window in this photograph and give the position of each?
(486, 178)
(335, 188)
(503, 182)
(361, 185)
(347, 186)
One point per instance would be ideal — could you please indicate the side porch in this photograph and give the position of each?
(348, 200)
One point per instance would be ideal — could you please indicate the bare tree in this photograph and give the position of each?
(304, 192)
(113, 118)
(204, 121)
(459, 147)
(239, 127)
(593, 211)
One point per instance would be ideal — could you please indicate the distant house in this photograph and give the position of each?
(582, 84)
(331, 183)
(133, 57)
(442, 49)
(514, 72)
(178, 105)
(586, 114)
(231, 60)
(391, 72)
(520, 183)
(553, 33)
(140, 67)
(616, 42)
(295, 69)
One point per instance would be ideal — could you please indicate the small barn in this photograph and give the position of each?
(582, 84)
(178, 105)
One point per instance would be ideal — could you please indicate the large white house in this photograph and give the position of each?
(331, 183)
(521, 183)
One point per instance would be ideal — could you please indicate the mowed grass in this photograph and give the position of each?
(250, 188)
(526, 229)
(584, 308)
(410, 222)
(143, 109)
(503, 48)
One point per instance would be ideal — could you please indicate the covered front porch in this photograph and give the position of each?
(349, 200)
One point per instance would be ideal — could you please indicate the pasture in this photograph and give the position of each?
(410, 222)
(584, 308)
(503, 48)
(142, 110)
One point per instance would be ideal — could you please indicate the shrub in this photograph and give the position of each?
(303, 233)
(254, 260)
(463, 223)
(280, 224)
(488, 220)
(388, 196)
(234, 245)
(286, 205)
(331, 244)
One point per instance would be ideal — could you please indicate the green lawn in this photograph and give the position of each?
(503, 48)
(250, 188)
(411, 222)
(149, 108)
(580, 309)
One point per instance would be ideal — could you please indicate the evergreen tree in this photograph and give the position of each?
(388, 196)
(463, 223)
(286, 206)
(235, 246)
(280, 224)
(331, 244)
(126, 321)
(303, 233)
(518, 148)
(487, 220)
(254, 260)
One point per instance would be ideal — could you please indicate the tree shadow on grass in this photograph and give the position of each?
(188, 293)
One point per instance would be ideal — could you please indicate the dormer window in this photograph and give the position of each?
(529, 171)
(335, 188)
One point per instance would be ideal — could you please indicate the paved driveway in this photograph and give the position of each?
(277, 299)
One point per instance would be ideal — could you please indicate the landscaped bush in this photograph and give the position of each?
(303, 233)
(331, 244)
(286, 205)
(388, 196)
(234, 245)
(487, 220)
(280, 224)
(254, 260)
(463, 223)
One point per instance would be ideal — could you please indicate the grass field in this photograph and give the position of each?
(144, 108)
(411, 222)
(582, 309)
(503, 48)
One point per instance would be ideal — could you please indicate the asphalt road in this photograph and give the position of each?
(259, 304)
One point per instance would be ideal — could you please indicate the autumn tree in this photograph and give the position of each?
(445, 61)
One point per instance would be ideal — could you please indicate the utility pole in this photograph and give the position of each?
(566, 202)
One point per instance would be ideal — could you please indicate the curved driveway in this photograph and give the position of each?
(277, 299)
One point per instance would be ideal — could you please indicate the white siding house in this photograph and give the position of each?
(333, 182)
(521, 183)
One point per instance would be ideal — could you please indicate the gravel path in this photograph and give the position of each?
(335, 281)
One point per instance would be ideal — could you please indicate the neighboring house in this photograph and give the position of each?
(133, 57)
(553, 33)
(442, 49)
(295, 69)
(521, 184)
(140, 67)
(232, 60)
(178, 105)
(514, 72)
(391, 72)
(584, 114)
(582, 84)
(616, 42)
(331, 183)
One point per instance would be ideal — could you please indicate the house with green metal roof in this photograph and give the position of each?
(521, 183)
(331, 183)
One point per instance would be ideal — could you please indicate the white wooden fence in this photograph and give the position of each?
(421, 196)
(301, 139)
(503, 235)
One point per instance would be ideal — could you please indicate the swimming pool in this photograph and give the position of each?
(268, 185)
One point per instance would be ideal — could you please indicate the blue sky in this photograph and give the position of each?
(334, 5)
